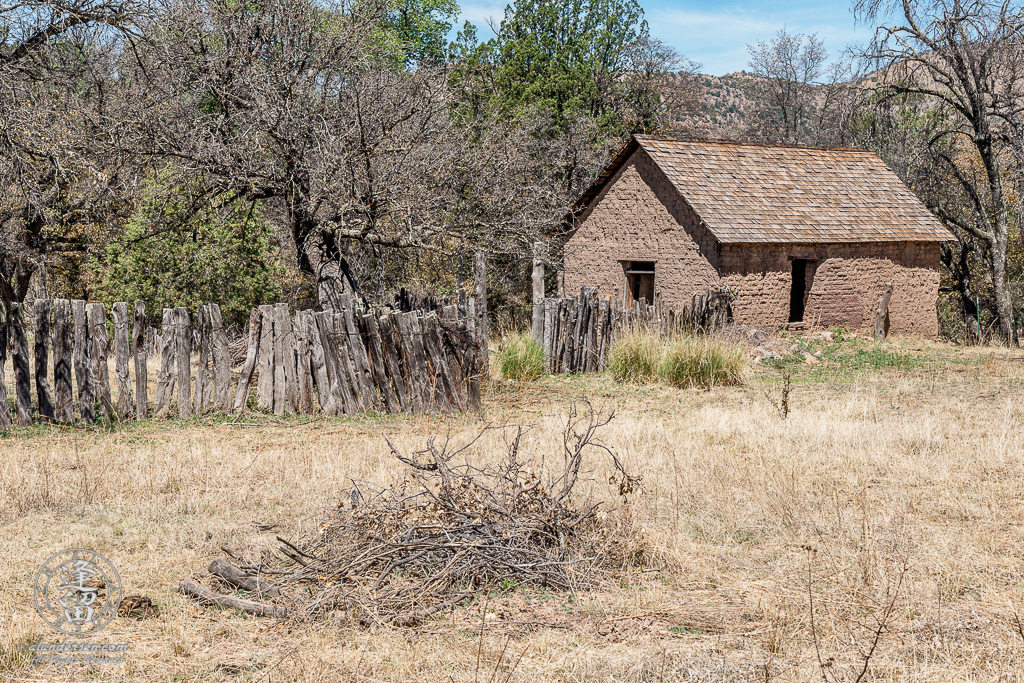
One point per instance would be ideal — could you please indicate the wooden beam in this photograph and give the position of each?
(882, 313)
(41, 328)
(141, 364)
(122, 358)
(63, 340)
(83, 372)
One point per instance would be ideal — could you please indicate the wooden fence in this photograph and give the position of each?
(346, 362)
(577, 333)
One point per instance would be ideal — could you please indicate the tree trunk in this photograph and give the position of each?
(959, 268)
(1004, 306)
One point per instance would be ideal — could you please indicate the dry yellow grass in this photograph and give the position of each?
(876, 478)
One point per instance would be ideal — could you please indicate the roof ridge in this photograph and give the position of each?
(743, 143)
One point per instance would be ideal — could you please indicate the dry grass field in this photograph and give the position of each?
(876, 533)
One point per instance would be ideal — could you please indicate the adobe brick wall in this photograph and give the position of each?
(637, 217)
(845, 288)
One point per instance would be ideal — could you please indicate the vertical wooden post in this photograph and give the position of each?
(5, 406)
(22, 374)
(251, 353)
(122, 358)
(304, 355)
(168, 350)
(265, 360)
(139, 351)
(183, 361)
(62, 351)
(548, 325)
(41, 327)
(83, 372)
(284, 329)
(318, 361)
(882, 314)
(221, 360)
(281, 330)
(392, 351)
(97, 317)
(482, 327)
(201, 399)
(538, 293)
(375, 349)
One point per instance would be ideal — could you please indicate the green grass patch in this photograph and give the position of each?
(642, 357)
(703, 362)
(521, 358)
(635, 357)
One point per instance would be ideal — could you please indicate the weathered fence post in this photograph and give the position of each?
(122, 358)
(882, 314)
(5, 407)
(62, 352)
(96, 314)
(538, 293)
(482, 328)
(201, 397)
(251, 352)
(318, 361)
(139, 351)
(221, 360)
(284, 334)
(392, 355)
(183, 361)
(41, 326)
(168, 348)
(83, 371)
(265, 360)
(22, 374)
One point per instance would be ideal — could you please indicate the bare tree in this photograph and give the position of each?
(60, 183)
(302, 106)
(964, 57)
(790, 66)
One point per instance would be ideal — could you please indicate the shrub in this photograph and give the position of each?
(635, 357)
(172, 255)
(703, 362)
(521, 358)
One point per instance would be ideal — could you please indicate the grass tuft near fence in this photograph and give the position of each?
(703, 362)
(521, 358)
(635, 357)
(641, 356)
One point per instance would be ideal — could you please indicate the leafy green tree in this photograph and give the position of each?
(580, 75)
(173, 253)
(574, 58)
(420, 28)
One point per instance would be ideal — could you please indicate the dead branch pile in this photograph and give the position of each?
(451, 531)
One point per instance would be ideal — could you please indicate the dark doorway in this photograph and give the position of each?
(796, 293)
(640, 278)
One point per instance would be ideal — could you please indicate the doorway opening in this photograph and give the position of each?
(797, 291)
(640, 280)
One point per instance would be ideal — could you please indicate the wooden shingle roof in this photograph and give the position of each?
(751, 193)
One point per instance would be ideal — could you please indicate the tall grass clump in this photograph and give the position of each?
(520, 357)
(703, 362)
(635, 357)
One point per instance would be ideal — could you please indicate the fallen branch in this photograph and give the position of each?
(204, 594)
(236, 577)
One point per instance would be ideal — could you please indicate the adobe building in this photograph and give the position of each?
(803, 236)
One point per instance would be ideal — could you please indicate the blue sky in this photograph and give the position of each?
(716, 33)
